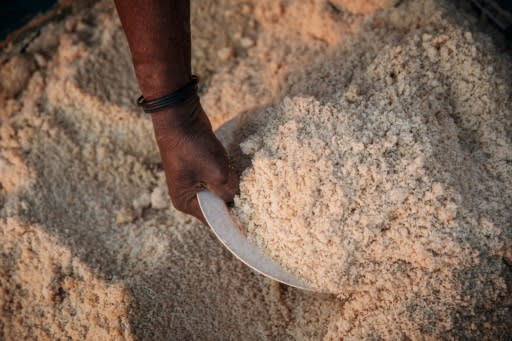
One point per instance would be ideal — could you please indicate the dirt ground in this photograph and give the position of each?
(90, 248)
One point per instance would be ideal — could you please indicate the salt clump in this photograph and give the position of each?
(384, 185)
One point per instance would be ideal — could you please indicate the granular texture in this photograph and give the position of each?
(90, 248)
(60, 295)
(394, 184)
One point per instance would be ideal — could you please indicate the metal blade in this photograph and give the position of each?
(224, 226)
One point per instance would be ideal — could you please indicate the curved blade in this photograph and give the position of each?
(218, 217)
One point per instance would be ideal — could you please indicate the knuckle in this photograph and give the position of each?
(184, 200)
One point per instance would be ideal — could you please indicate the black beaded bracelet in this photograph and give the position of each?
(171, 100)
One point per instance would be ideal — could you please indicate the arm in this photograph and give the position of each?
(158, 33)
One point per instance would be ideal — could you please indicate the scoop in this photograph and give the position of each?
(225, 227)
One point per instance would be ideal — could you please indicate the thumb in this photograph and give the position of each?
(228, 189)
(223, 181)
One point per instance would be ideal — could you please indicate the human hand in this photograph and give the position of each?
(193, 158)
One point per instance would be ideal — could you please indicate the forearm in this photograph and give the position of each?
(158, 33)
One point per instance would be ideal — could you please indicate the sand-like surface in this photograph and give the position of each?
(90, 248)
(394, 174)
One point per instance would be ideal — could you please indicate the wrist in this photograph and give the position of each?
(170, 100)
(177, 119)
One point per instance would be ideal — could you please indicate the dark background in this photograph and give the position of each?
(15, 14)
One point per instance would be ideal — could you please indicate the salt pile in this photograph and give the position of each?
(91, 249)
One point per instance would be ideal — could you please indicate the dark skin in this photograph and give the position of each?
(158, 33)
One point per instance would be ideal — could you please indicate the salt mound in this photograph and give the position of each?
(90, 249)
(397, 182)
(69, 300)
